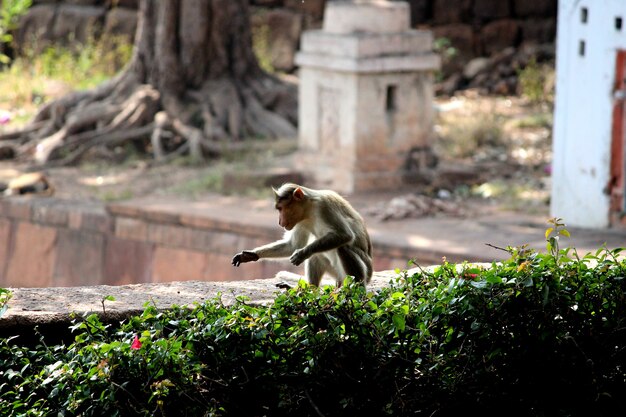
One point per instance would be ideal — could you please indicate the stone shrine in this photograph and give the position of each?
(366, 96)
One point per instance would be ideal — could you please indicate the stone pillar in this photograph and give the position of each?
(365, 98)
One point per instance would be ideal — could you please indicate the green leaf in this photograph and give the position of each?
(449, 333)
(493, 279)
(399, 321)
(397, 295)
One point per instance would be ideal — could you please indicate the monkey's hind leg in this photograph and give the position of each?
(314, 269)
(354, 265)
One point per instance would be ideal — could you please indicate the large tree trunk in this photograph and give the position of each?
(193, 82)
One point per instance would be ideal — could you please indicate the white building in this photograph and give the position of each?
(588, 187)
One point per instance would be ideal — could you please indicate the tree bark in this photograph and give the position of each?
(193, 76)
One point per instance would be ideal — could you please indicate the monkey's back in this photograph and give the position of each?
(338, 204)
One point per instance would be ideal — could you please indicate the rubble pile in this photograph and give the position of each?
(416, 206)
(499, 73)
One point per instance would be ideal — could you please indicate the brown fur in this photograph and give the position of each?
(323, 230)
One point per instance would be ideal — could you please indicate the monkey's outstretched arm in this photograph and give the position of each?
(278, 249)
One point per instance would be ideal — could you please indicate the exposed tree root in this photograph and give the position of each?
(198, 95)
(212, 119)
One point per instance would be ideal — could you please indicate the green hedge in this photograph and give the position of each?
(537, 335)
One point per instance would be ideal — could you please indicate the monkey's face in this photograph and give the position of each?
(290, 213)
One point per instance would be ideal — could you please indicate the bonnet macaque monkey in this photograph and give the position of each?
(323, 230)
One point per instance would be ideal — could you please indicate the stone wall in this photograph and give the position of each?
(474, 27)
(48, 242)
(51, 242)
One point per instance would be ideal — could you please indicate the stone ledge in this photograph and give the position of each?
(92, 244)
(410, 63)
(366, 45)
(202, 214)
(53, 306)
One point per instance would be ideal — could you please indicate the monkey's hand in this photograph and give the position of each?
(299, 256)
(243, 257)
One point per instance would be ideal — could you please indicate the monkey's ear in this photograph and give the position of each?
(298, 194)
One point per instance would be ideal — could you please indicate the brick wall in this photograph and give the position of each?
(51, 242)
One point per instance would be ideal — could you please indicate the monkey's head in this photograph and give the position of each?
(292, 205)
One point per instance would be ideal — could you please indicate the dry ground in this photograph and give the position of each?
(503, 143)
